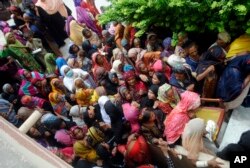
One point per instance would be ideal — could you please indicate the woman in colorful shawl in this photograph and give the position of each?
(179, 116)
(83, 95)
(33, 102)
(21, 53)
(99, 60)
(209, 70)
(134, 85)
(60, 106)
(84, 17)
(25, 74)
(130, 108)
(42, 86)
(74, 30)
(26, 88)
(50, 61)
(160, 66)
(53, 13)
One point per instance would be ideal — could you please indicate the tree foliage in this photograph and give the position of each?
(182, 15)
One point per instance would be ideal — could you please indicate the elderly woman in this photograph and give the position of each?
(21, 53)
(180, 115)
(194, 147)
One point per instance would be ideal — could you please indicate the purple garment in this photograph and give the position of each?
(77, 3)
(67, 25)
(83, 17)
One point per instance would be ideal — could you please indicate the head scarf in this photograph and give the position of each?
(58, 104)
(128, 74)
(166, 42)
(102, 101)
(77, 111)
(176, 120)
(115, 67)
(24, 113)
(54, 88)
(211, 57)
(84, 97)
(50, 62)
(6, 87)
(105, 65)
(224, 36)
(72, 129)
(15, 9)
(63, 136)
(60, 61)
(162, 92)
(141, 86)
(26, 88)
(239, 45)
(173, 60)
(96, 136)
(158, 66)
(32, 102)
(135, 146)
(128, 67)
(51, 121)
(131, 114)
(51, 7)
(84, 17)
(154, 89)
(192, 137)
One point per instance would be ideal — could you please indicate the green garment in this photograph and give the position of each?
(20, 52)
(50, 63)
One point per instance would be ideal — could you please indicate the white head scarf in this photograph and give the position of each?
(101, 101)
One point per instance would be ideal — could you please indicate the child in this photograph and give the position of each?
(84, 62)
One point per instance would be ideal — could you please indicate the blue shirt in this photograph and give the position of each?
(193, 64)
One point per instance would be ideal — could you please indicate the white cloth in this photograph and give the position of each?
(101, 101)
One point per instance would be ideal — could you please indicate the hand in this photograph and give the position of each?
(163, 145)
(156, 104)
(135, 104)
(144, 78)
(211, 68)
(99, 162)
(213, 163)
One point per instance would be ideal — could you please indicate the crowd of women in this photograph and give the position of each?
(116, 100)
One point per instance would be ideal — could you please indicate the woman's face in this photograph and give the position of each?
(127, 95)
(179, 76)
(155, 80)
(131, 81)
(151, 95)
(11, 39)
(27, 74)
(152, 116)
(143, 68)
(78, 134)
(170, 95)
(91, 113)
(34, 132)
(99, 60)
(115, 80)
(75, 48)
(80, 84)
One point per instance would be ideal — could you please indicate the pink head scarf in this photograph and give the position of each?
(158, 67)
(63, 136)
(175, 122)
(131, 114)
(53, 6)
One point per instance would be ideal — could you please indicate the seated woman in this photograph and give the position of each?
(168, 94)
(194, 148)
(130, 108)
(92, 37)
(10, 93)
(21, 53)
(179, 116)
(33, 102)
(117, 67)
(182, 78)
(99, 60)
(76, 112)
(209, 70)
(7, 112)
(60, 106)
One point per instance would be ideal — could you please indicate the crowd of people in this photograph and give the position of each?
(116, 100)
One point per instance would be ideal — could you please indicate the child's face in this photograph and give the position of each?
(78, 134)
